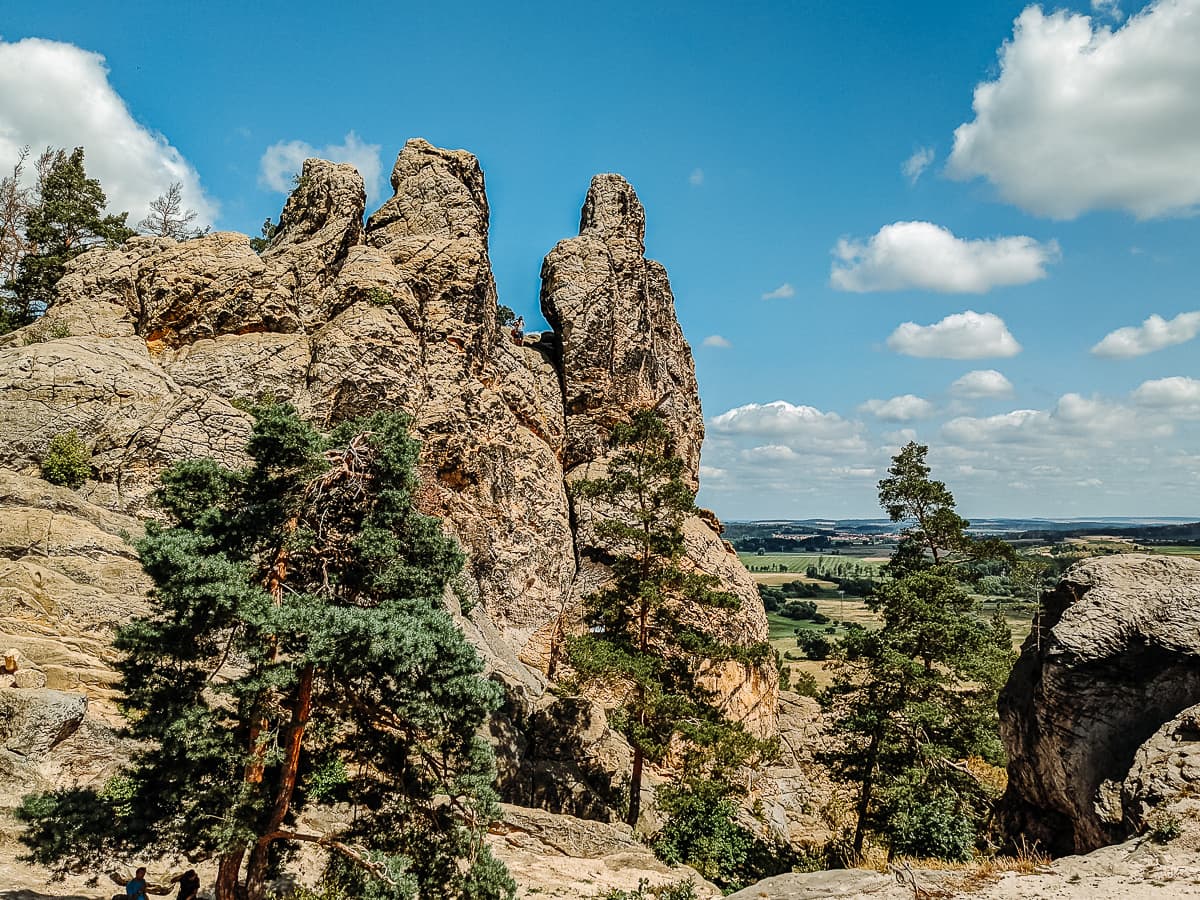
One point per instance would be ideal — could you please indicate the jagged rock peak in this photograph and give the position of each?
(328, 203)
(436, 192)
(622, 347)
(612, 211)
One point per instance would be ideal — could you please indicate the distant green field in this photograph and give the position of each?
(1176, 550)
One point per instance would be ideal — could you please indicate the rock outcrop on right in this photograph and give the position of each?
(1091, 717)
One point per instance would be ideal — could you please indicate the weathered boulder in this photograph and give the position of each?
(34, 721)
(563, 856)
(1165, 769)
(1115, 655)
(68, 576)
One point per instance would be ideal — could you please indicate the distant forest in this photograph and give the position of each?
(807, 536)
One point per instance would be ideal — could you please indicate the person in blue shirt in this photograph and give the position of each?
(135, 889)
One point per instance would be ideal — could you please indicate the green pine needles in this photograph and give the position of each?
(913, 703)
(646, 635)
(298, 651)
(65, 218)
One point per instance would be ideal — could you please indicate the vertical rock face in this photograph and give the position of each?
(1115, 656)
(170, 342)
(622, 347)
(623, 350)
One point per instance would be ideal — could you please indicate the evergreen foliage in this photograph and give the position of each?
(702, 831)
(68, 461)
(913, 701)
(297, 651)
(259, 244)
(65, 219)
(643, 636)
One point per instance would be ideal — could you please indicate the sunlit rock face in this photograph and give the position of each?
(1102, 690)
(171, 342)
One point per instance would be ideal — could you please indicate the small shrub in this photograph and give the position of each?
(250, 404)
(701, 831)
(377, 296)
(68, 461)
(674, 890)
(813, 645)
(1164, 827)
(46, 332)
(933, 829)
(505, 317)
(785, 672)
(259, 244)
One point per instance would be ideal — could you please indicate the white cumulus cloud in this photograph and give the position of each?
(715, 340)
(925, 256)
(904, 408)
(1177, 395)
(1110, 8)
(982, 383)
(57, 94)
(916, 164)
(1100, 421)
(1153, 334)
(783, 292)
(965, 335)
(1083, 117)
(776, 417)
(283, 160)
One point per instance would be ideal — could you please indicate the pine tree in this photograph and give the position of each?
(914, 700)
(168, 218)
(298, 651)
(65, 219)
(643, 636)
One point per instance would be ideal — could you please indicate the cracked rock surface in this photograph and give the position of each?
(1115, 658)
(168, 343)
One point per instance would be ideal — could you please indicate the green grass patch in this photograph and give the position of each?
(1176, 550)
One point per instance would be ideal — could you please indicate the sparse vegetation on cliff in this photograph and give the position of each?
(68, 460)
(47, 226)
(643, 637)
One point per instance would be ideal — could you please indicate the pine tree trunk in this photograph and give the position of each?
(227, 875)
(864, 799)
(257, 867)
(635, 790)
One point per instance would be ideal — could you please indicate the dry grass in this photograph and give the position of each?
(937, 879)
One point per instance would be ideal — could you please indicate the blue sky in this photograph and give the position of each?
(768, 142)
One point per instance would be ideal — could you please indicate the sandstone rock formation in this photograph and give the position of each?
(171, 342)
(1165, 770)
(1115, 655)
(560, 856)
